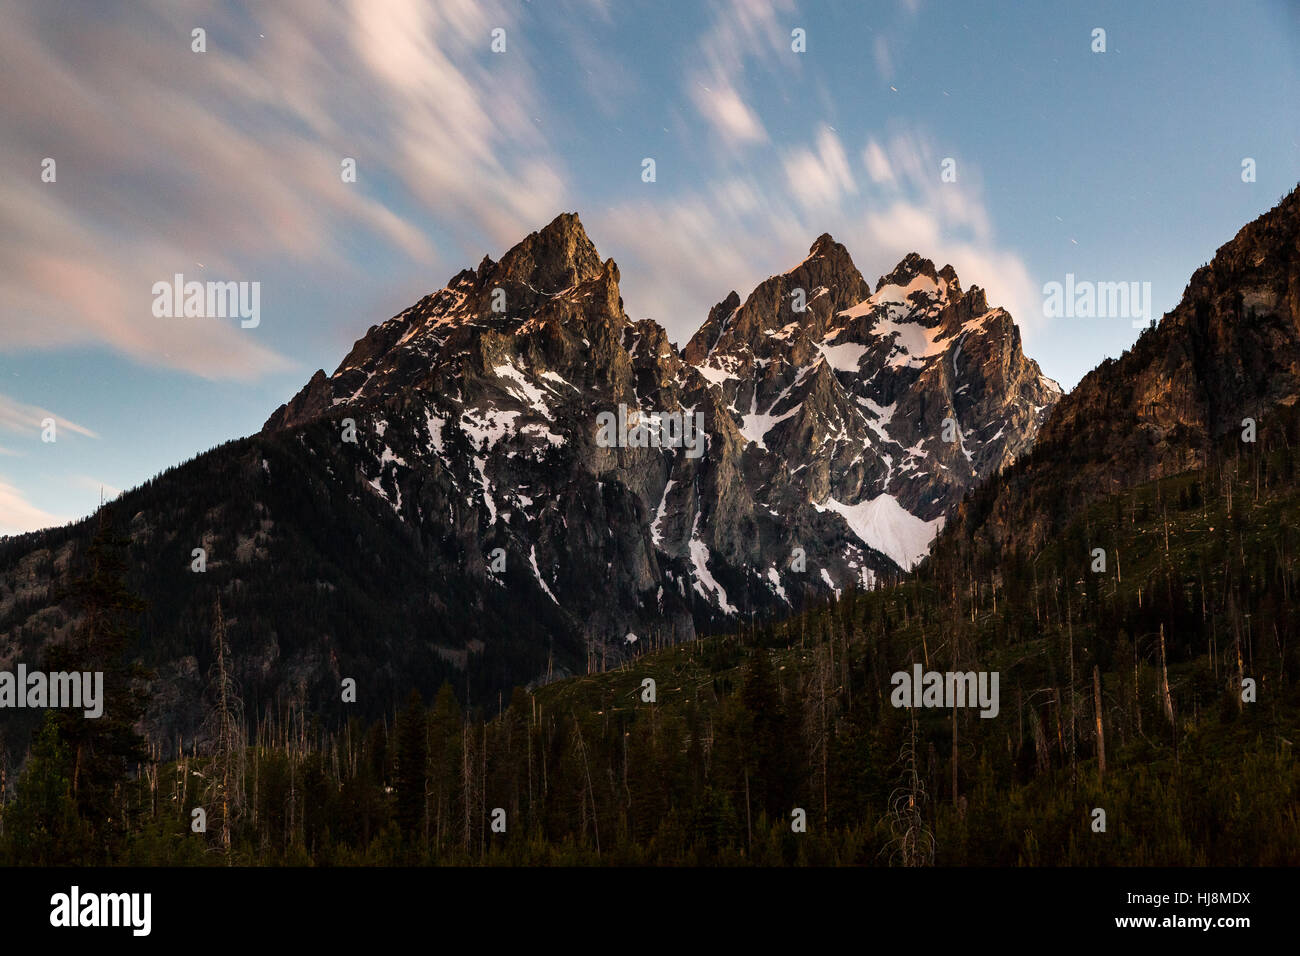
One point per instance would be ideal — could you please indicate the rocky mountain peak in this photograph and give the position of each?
(841, 403)
(826, 246)
(911, 266)
(511, 464)
(811, 369)
(808, 296)
(916, 292)
(731, 302)
(554, 258)
(827, 259)
(949, 275)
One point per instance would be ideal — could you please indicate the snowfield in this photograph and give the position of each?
(882, 523)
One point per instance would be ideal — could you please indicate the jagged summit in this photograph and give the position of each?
(911, 266)
(554, 258)
(553, 277)
(856, 386)
(949, 275)
(809, 294)
(825, 246)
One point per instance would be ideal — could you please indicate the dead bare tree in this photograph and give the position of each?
(913, 842)
(225, 731)
(591, 792)
(1167, 698)
(1101, 736)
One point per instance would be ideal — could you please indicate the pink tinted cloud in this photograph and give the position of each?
(168, 158)
(18, 515)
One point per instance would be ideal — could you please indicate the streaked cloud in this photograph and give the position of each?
(884, 62)
(681, 256)
(724, 108)
(18, 515)
(877, 163)
(741, 31)
(167, 158)
(24, 419)
(821, 177)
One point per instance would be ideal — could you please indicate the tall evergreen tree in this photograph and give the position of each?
(41, 825)
(102, 752)
(777, 758)
(412, 769)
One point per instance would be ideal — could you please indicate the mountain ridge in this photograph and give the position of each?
(441, 507)
(1227, 352)
(926, 312)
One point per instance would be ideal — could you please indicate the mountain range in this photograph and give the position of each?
(414, 520)
(443, 506)
(446, 506)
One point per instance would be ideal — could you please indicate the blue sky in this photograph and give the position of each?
(225, 165)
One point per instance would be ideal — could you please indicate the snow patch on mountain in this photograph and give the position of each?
(882, 523)
(844, 357)
(705, 585)
(532, 560)
(655, 534)
(486, 427)
(755, 425)
(435, 426)
(774, 577)
(524, 390)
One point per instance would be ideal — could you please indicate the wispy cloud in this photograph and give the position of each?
(822, 177)
(884, 62)
(18, 515)
(167, 158)
(741, 30)
(681, 256)
(728, 113)
(24, 419)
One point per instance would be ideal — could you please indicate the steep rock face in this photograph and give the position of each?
(446, 501)
(490, 390)
(1229, 350)
(841, 423)
(881, 407)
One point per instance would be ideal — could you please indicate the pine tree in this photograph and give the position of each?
(444, 764)
(103, 751)
(41, 825)
(777, 760)
(412, 769)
